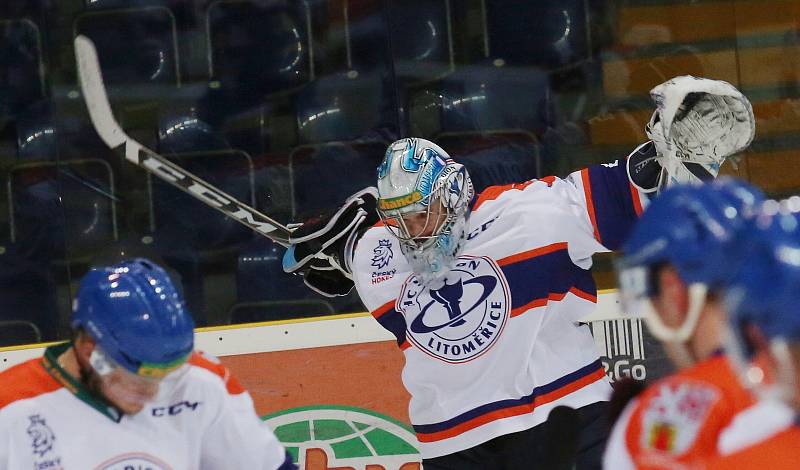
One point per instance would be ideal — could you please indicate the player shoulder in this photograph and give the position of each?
(206, 368)
(539, 189)
(25, 381)
(757, 423)
(377, 242)
(378, 259)
(779, 451)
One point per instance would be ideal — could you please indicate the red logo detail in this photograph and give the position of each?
(662, 437)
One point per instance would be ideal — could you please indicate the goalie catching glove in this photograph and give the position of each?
(697, 124)
(321, 248)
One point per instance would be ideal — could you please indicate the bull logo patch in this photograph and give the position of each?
(463, 316)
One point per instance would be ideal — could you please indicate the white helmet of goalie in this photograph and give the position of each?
(697, 124)
(424, 198)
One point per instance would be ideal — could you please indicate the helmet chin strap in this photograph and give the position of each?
(677, 337)
(785, 385)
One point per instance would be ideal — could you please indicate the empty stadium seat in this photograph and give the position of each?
(36, 133)
(366, 39)
(14, 332)
(323, 176)
(185, 224)
(21, 67)
(346, 106)
(264, 292)
(60, 214)
(489, 118)
(258, 47)
(421, 36)
(548, 34)
(480, 97)
(345, 122)
(65, 210)
(260, 276)
(137, 48)
(181, 133)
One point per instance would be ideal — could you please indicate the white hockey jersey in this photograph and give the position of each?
(201, 419)
(498, 346)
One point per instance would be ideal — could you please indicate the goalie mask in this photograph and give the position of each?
(697, 124)
(424, 201)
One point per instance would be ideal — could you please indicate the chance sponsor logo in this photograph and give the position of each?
(461, 318)
(399, 201)
(341, 437)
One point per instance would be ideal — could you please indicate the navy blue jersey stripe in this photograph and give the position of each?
(613, 203)
(552, 273)
(393, 321)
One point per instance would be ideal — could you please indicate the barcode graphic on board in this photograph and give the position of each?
(621, 345)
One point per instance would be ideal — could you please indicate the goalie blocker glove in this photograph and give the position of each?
(322, 247)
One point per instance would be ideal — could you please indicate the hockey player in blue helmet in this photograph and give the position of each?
(762, 298)
(684, 236)
(671, 271)
(484, 292)
(131, 330)
(128, 390)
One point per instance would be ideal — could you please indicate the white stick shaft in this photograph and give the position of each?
(94, 92)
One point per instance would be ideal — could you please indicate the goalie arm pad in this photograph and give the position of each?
(321, 248)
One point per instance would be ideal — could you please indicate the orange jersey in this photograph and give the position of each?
(781, 451)
(676, 422)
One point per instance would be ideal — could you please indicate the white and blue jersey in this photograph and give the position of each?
(497, 345)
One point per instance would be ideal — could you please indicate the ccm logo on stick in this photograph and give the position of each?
(206, 193)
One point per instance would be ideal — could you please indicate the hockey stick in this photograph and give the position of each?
(94, 92)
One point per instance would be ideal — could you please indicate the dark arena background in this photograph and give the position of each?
(289, 105)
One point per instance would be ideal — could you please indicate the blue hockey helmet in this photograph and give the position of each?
(136, 316)
(765, 289)
(763, 292)
(690, 228)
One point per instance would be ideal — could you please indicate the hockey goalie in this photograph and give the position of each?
(483, 292)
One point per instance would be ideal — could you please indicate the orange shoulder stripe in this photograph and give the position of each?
(380, 311)
(231, 383)
(493, 192)
(26, 380)
(542, 250)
